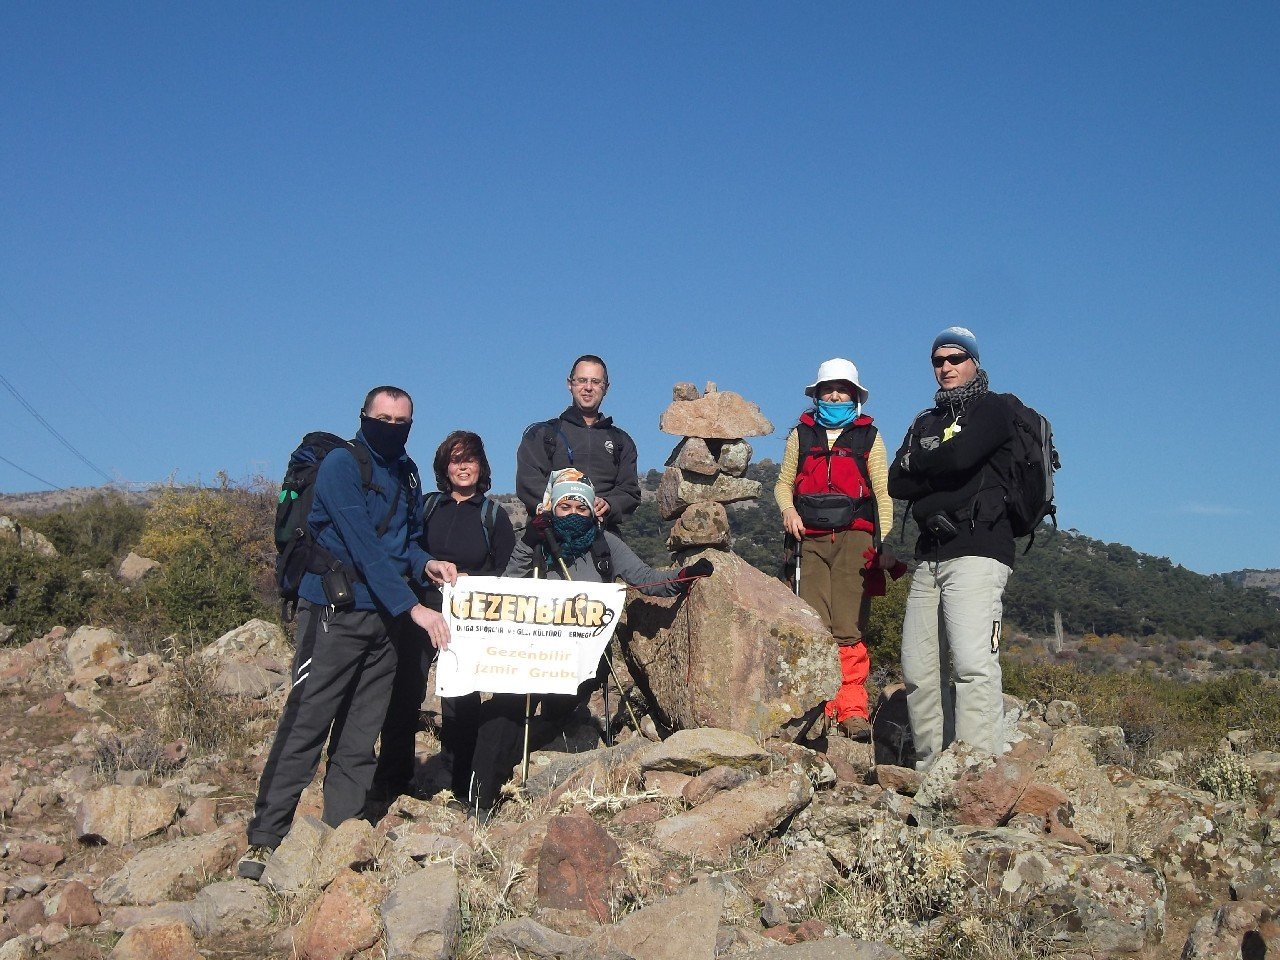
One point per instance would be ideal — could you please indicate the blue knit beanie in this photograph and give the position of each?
(956, 337)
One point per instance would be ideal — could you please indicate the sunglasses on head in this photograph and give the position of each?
(955, 359)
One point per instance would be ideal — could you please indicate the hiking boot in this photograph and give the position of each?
(856, 728)
(254, 862)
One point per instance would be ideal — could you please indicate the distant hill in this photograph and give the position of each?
(1268, 580)
(1097, 588)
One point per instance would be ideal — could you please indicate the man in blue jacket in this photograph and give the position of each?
(345, 660)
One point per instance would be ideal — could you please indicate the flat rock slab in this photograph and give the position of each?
(173, 870)
(682, 927)
(715, 829)
(721, 415)
(696, 750)
(423, 915)
(678, 491)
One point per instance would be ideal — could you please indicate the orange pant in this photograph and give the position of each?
(851, 699)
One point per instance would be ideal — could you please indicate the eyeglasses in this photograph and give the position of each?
(584, 381)
(955, 359)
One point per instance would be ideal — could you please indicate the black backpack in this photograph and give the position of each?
(1029, 497)
(488, 518)
(297, 552)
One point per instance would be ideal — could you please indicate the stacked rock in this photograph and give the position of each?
(706, 469)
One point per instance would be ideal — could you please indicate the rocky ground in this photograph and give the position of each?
(126, 781)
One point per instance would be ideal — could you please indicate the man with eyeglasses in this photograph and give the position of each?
(583, 438)
(953, 468)
(345, 659)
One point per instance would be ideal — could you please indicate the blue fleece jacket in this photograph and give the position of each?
(345, 519)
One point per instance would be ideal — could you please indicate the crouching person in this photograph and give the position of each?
(565, 541)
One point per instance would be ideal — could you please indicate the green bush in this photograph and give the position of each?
(94, 533)
(204, 592)
(38, 593)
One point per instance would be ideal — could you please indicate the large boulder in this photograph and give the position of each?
(740, 652)
(1238, 930)
(423, 914)
(718, 415)
(249, 642)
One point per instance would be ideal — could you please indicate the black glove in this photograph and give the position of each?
(702, 568)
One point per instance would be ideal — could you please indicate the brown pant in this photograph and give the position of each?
(831, 582)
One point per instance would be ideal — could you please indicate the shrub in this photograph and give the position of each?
(94, 533)
(39, 593)
(1227, 777)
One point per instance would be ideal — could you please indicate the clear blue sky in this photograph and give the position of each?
(224, 222)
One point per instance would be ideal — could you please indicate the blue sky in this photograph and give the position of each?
(224, 222)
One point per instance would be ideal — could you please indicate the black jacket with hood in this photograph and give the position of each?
(605, 453)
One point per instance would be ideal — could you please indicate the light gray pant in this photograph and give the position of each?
(951, 634)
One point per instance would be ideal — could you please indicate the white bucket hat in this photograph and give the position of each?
(838, 369)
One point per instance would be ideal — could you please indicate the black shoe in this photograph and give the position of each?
(254, 862)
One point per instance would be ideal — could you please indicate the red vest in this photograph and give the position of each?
(838, 469)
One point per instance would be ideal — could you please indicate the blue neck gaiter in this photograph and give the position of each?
(833, 415)
(575, 534)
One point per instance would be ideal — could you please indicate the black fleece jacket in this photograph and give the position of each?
(958, 461)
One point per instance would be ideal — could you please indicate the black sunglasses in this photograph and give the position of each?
(955, 359)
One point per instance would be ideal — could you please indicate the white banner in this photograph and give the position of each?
(510, 635)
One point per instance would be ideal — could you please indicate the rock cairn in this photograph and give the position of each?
(707, 468)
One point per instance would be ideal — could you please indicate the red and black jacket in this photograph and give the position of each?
(840, 468)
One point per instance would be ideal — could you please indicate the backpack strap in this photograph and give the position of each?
(410, 481)
(552, 429)
(602, 557)
(488, 520)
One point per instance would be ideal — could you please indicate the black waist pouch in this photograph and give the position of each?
(826, 511)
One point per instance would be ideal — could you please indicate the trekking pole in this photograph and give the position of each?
(604, 692)
(524, 760)
(799, 552)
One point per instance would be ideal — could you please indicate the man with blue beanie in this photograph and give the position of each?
(954, 468)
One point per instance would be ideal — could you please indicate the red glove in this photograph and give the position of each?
(873, 583)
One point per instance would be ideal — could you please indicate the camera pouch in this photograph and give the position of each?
(940, 527)
(337, 589)
(826, 511)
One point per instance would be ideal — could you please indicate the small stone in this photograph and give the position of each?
(134, 569)
(579, 866)
(735, 457)
(157, 940)
(41, 854)
(702, 525)
(684, 391)
(75, 906)
(694, 456)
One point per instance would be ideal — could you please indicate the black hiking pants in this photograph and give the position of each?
(342, 675)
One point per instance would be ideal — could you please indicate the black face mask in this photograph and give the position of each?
(387, 440)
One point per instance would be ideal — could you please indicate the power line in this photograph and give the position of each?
(30, 474)
(59, 437)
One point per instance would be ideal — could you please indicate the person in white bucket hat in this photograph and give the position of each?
(832, 490)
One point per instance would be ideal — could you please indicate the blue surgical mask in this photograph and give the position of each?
(828, 414)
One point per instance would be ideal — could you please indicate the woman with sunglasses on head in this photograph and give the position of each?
(954, 468)
(833, 493)
(462, 525)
